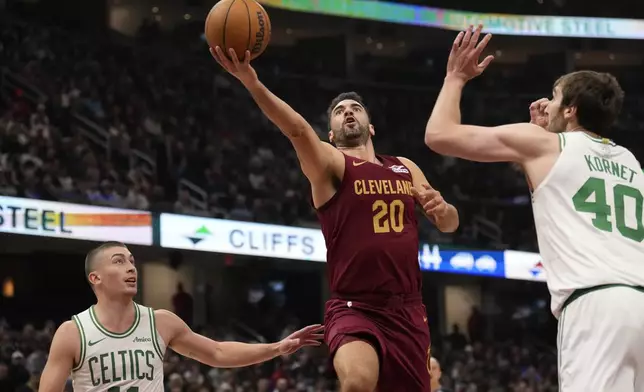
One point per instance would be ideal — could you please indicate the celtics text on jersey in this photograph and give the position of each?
(131, 361)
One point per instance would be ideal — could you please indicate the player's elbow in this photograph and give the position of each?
(437, 139)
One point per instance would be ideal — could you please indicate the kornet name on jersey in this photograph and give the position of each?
(371, 231)
(588, 217)
(131, 361)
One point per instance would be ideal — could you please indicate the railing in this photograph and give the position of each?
(198, 196)
(145, 162)
(12, 81)
(93, 133)
(487, 229)
(245, 329)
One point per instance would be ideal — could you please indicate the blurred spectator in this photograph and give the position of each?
(183, 304)
(436, 374)
(456, 338)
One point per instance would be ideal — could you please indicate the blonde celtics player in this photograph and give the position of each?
(118, 345)
(587, 202)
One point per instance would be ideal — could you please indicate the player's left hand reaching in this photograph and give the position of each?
(242, 70)
(431, 200)
(463, 62)
(307, 336)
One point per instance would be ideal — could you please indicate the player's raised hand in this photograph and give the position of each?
(538, 115)
(242, 70)
(307, 336)
(431, 200)
(463, 62)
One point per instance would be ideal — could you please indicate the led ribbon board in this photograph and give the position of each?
(504, 24)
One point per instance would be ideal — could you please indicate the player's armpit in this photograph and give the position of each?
(447, 220)
(518, 143)
(186, 342)
(60, 362)
(319, 160)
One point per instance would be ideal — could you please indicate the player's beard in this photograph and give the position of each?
(351, 136)
(558, 123)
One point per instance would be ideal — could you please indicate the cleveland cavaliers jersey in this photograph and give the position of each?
(370, 230)
(588, 217)
(131, 361)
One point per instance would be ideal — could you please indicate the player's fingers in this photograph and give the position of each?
(420, 196)
(247, 57)
(215, 55)
(439, 210)
(457, 41)
(310, 329)
(467, 37)
(544, 105)
(431, 194)
(312, 342)
(483, 43)
(437, 206)
(427, 186)
(537, 103)
(431, 205)
(233, 57)
(222, 59)
(475, 36)
(486, 61)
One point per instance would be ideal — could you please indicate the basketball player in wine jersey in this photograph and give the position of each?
(118, 345)
(376, 324)
(587, 200)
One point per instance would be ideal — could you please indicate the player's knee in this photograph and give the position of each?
(357, 366)
(359, 381)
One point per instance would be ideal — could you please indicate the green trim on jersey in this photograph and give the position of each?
(83, 343)
(106, 332)
(580, 292)
(560, 333)
(602, 140)
(562, 141)
(155, 337)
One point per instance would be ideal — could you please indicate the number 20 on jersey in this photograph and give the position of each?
(388, 217)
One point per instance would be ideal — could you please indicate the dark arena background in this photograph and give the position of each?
(116, 124)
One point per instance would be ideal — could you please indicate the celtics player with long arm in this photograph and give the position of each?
(118, 345)
(587, 200)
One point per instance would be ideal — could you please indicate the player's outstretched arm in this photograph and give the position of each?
(446, 135)
(60, 362)
(317, 159)
(436, 209)
(229, 354)
(506, 143)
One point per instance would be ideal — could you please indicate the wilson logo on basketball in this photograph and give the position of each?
(259, 36)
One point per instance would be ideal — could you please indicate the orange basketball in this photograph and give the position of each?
(238, 24)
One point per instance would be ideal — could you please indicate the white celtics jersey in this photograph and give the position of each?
(588, 216)
(131, 361)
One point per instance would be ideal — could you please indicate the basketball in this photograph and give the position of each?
(238, 24)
